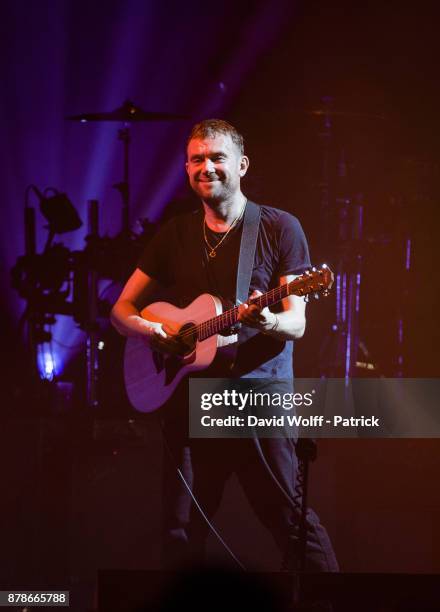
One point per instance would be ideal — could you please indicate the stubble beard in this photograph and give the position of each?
(214, 199)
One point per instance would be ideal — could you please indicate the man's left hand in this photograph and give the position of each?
(253, 316)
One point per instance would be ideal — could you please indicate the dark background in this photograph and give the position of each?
(83, 494)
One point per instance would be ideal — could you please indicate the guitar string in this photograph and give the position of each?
(233, 311)
(223, 318)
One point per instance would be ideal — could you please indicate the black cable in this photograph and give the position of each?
(198, 506)
(294, 501)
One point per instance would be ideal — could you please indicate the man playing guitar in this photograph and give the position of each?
(198, 253)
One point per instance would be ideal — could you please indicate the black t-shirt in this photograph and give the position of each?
(177, 258)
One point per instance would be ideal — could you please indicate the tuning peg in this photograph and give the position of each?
(316, 296)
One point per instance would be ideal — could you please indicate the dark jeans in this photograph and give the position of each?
(206, 465)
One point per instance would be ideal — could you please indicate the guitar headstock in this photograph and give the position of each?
(313, 282)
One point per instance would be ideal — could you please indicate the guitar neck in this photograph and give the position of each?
(227, 319)
(314, 281)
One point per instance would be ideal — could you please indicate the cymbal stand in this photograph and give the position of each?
(124, 186)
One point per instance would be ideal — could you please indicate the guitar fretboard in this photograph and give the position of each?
(227, 319)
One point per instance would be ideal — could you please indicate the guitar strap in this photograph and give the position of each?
(251, 223)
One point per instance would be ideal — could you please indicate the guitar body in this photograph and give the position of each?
(152, 377)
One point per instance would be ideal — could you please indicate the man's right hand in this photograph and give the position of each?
(153, 329)
(159, 340)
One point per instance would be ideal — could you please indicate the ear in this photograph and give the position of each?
(187, 167)
(244, 165)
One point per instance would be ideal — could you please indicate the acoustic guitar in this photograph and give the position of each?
(152, 376)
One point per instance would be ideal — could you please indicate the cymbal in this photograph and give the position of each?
(126, 113)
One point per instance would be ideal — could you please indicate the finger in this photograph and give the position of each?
(242, 309)
(255, 295)
(248, 309)
(251, 321)
(243, 312)
(254, 312)
(157, 337)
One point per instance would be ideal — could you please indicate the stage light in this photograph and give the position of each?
(57, 209)
(46, 363)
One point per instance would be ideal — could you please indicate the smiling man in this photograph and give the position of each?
(215, 168)
(198, 253)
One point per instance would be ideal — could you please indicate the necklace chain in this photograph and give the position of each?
(212, 250)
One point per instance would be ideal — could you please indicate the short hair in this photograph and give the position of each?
(209, 128)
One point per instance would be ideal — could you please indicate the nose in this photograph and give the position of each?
(208, 166)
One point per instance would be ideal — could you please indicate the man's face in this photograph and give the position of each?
(215, 167)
